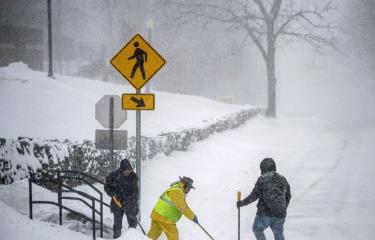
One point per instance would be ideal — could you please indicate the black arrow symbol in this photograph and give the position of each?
(139, 102)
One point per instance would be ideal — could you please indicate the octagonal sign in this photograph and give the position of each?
(102, 111)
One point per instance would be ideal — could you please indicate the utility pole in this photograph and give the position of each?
(50, 70)
(58, 34)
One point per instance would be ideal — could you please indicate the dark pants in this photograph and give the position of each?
(275, 223)
(118, 214)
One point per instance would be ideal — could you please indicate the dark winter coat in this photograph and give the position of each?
(272, 191)
(125, 189)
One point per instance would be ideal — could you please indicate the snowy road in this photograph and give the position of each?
(330, 170)
(340, 203)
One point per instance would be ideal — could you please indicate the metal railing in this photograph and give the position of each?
(57, 178)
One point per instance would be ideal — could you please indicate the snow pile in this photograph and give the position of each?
(36, 106)
(19, 71)
(14, 198)
(15, 226)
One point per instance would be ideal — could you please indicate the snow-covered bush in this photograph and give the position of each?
(24, 156)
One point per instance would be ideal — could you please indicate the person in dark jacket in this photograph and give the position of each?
(122, 186)
(272, 191)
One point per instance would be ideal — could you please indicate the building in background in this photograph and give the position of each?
(21, 33)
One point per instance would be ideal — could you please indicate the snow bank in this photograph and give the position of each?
(15, 226)
(19, 71)
(14, 202)
(36, 106)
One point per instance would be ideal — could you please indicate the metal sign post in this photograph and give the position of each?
(112, 164)
(138, 62)
(138, 152)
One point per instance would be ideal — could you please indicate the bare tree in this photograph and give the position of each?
(266, 23)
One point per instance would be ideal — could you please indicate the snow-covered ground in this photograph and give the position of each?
(13, 225)
(330, 170)
(329, 167)
(33, 105)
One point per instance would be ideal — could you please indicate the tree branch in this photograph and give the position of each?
(226, 15)
(257, 42)
(275, 9)
(262, 9)
(306, 18)
(315, 40)
(287, 22)
(253, 17)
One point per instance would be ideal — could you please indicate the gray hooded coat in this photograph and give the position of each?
(272, 191)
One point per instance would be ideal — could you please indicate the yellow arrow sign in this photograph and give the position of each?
(138, 61)
(138, 101)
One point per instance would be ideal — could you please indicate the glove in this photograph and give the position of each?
(195, 219)
(239, 204)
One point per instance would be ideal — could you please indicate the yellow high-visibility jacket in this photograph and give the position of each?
(178, 198)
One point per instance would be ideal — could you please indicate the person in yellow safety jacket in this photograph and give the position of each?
(169, 208)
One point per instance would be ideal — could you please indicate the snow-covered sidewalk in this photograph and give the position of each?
(329, 168)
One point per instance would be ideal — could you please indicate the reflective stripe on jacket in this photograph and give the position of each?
(172, 204)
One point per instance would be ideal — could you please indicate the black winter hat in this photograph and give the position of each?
(125, 164)
(187, 181)
(267, 165)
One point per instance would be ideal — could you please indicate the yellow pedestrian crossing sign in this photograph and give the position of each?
(138, 101)
(138, 61)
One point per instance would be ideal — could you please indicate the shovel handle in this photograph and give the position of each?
(239, 218)
(205, 231)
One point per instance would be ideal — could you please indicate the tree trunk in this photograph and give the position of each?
(271, 72)
(271, 81)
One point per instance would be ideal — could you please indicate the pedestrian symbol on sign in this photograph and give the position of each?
(137, 61)
(141, 57)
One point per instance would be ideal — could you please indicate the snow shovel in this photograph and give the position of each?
(239, 216)
(118, 203)
(205, 231)
(139, 224)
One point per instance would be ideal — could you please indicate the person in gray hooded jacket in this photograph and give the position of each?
(272, 191)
